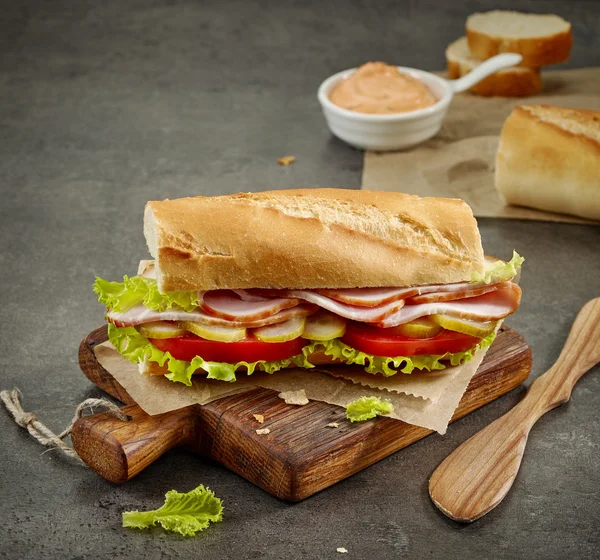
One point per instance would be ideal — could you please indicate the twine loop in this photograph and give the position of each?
(28, 420)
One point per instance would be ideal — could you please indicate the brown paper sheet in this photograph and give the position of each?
(428, 385)
(157, 395)
(459, 161)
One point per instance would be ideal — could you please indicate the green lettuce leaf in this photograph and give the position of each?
(186, 513)
(136, 348)
(391, 366)
(121, 296)
(366, 408)
(500, 271)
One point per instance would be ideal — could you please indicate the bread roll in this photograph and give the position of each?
(311, 238)
(541, 39)
(511, 82)
(549, 158)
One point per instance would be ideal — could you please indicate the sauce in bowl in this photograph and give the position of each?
(379, 88)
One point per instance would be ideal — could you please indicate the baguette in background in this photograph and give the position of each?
(541, 39)
(549, 158)
(518, 81)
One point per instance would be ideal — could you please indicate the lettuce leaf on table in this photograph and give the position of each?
(185, 514)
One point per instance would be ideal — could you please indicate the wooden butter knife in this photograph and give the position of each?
(474, 478)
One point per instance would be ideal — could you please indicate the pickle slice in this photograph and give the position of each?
(419, 328)
(324, 326)
(160, 329)
(212, 332)
(281, 332)
(479, 329)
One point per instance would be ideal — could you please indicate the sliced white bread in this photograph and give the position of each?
(549, 158)
(541, 39)
(512, 82)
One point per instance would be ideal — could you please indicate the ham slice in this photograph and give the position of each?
(450, 295)
(356, 313)
(228, 305)
(140, 314)
(370, 297)
(488, 307)
(247, 296)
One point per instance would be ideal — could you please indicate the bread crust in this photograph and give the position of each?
(311, 238)
(552, 166)
(536, 51)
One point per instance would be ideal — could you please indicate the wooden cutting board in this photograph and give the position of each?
(299, 457)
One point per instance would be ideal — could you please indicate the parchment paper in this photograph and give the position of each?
(433, 409)
(459, 162)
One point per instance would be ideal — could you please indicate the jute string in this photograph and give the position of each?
(12, 401)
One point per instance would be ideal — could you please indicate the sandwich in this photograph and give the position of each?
(389, 282)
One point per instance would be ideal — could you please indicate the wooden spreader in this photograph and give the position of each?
(299, 457)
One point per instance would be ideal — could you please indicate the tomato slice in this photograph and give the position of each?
(382, 342)
(248, 349)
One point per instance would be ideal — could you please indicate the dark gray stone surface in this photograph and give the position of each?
(104, 105)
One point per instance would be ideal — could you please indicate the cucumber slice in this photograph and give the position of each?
(212, 332)
(479, 329)
(419, 328)
(281, 332)
(160, 329)
(324, 326)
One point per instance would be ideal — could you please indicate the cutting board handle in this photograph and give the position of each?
(119, 449)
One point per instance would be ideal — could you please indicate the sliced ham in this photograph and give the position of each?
(365, 314)
(488, 307)
(450, 295)
(370, 297)
(247, 296)
(140, 314)
(228, 305)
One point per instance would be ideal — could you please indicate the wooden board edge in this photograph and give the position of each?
(365, 450)
(92, 369)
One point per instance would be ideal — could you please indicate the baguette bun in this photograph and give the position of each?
(518, 81)
(541, 39)
(311, 238)
(549, 158)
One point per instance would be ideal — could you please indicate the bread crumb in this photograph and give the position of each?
(259, 418)
(333, 425)
(294, 397)
(341, 549)
(263, 431)
(286, 160)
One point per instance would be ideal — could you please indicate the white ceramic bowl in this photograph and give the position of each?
(399, 131)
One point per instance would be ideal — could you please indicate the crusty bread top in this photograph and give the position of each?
(549, 158)
(581, 122)
(540, 39)
(502, 24)
(311, 238)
